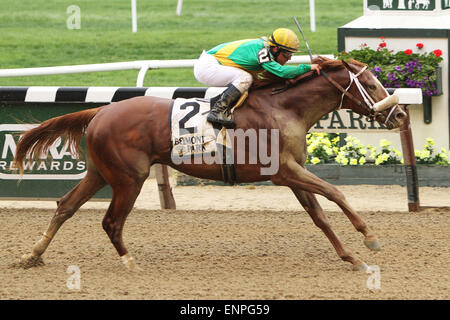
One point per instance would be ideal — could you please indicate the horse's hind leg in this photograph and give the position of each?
(67, 206)
(124, 196)
(312, 206)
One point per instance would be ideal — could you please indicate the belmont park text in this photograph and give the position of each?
(190, 149)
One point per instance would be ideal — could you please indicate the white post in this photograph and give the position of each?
(312, 16)
(141, 75)
(133, 16)
(179, 6)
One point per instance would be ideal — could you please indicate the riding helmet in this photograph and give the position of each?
(285, 39)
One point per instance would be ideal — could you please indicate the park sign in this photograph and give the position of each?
(406, 5)
(346, 120)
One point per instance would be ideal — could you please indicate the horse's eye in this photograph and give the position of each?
(372, 87)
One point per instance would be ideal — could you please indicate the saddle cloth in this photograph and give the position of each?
(191, 134)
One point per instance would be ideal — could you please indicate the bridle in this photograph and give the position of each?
(368, 100)
(374, 108)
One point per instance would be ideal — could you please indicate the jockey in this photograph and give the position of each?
(228, 65)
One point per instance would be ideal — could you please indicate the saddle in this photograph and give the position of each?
(193, 137)
(228, 167)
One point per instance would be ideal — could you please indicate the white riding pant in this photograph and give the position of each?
(209, 71)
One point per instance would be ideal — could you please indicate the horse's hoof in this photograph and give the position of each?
(29, 261)
(360, 267)
(130, 264)
(133, 267)
(373, 245)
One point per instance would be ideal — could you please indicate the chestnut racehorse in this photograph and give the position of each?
(124, 139)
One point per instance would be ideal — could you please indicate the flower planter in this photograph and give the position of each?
(403, 69)
(428, 175)
(438, 81)
(427, 100)
(427, 105)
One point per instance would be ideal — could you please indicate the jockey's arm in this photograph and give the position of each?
(287, 72)
(314, 67)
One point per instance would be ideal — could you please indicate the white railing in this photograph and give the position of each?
(142, 65)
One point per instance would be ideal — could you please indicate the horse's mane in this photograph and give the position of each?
(327, 64)
(331, 64)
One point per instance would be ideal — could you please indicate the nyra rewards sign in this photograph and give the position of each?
(57, 164)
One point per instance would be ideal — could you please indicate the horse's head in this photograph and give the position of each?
(372, 99)
(363, 93)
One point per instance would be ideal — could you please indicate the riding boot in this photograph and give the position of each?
(218, 111)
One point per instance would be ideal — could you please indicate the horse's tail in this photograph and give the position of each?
(37, 141)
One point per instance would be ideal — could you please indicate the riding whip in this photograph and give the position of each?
(304, 39)
(323, 73)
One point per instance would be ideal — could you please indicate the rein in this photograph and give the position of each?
(334, 83)
(366, 96)
(344, 91)
(368, 100)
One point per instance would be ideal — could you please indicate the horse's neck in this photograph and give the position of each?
(305, 103)
(313, 99)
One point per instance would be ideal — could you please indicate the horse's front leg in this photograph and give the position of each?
(309, 202)
(293, 175)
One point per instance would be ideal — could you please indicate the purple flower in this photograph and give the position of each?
(376, 69)
(391, 76)
(411, 65)
(398, 68)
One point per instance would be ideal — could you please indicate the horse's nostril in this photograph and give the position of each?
(400, 116)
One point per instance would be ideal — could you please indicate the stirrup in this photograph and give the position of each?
(227, 123)
(239, 102)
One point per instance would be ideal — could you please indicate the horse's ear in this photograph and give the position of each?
(346, 65)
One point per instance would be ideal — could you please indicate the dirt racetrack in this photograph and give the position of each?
(233, 243)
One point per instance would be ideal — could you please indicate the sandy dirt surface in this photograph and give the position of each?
(239, 242)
